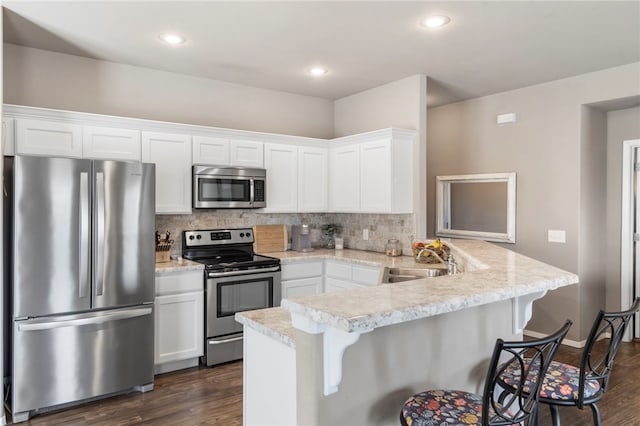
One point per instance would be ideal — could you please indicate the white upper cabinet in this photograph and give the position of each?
(375, 176)
(281, 162)
(171, 153)
(108, 143)
(211, 151)
(372, 173)
(247, 153)
(8, 144)
(313, 179)
(50, 138)
(344, 179)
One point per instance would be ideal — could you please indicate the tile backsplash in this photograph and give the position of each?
(381, 226)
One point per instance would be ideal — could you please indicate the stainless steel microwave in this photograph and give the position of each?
(228, 187)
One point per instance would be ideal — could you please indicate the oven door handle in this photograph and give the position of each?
(219, 342)
(245, 272)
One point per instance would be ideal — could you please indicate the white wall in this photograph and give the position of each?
(46, 79)
(548, 147)
(401, 104)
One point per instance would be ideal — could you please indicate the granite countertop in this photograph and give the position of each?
(272, 322)
(493, 274)
(178, 265)
(490, 274)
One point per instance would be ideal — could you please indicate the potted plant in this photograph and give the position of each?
(329, 231)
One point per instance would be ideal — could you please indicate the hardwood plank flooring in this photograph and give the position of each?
(213, 396)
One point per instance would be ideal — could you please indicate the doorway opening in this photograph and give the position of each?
(630, 235)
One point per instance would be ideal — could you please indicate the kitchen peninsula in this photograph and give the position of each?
(353, 357)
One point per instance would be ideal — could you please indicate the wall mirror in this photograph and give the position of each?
(479, 206)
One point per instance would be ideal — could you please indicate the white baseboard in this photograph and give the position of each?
(572, 343)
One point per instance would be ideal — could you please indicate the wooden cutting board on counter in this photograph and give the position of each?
(270, 238)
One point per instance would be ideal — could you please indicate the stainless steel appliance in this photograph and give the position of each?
(236, 280)
(79, 276)
(301, 238)
(228, 187)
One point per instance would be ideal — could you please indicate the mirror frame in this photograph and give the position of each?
(443, 206)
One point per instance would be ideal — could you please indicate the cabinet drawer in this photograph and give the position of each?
(292, 271)
(179, 282)
(366, 275)
(339, 270)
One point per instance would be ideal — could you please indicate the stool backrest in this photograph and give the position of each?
(530, 359)
(602, 346)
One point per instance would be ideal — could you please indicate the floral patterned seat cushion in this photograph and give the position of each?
(561, 382)
(443, 407)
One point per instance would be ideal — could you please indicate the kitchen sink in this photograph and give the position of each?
(395, 275)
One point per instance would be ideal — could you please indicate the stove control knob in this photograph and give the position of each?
(241, 234)
(199, 236)
(248, 234)
(191, 237)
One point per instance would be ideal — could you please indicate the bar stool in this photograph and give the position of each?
(567, 385)
(435, 407)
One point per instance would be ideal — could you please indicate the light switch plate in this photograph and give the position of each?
(365, 234)
(556, 236)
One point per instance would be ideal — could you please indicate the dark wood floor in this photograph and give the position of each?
(213, 396)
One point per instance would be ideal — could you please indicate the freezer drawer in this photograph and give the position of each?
(58, 360)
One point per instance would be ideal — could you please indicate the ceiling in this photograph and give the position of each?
(488, 46)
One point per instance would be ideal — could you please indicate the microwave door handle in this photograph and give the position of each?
(251, 191)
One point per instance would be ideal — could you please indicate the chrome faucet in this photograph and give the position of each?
(432, 251)
(452, 268)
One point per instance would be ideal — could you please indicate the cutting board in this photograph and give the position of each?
(270, 238)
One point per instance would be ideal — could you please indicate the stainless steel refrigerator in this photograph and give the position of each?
(79, 272)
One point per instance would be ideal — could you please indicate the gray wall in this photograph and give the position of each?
(46, 79)
(550, 150)
(622, 125)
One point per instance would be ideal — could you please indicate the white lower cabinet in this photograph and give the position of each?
(179, 320)
(340, 276)
(302, 279)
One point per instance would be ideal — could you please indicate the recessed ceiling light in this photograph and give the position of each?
(435, 21)
(318, 71)
(172, 38)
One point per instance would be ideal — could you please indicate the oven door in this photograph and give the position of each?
(243, 291)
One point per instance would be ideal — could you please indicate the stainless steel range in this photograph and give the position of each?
(236, 280)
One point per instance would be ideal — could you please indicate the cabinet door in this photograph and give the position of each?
(332, 285)
(50, 138)
(179, 330)
(368, 276)
(375, 177)
(107, 143)
(313, 179)
(246, 153)
(211, 151)
(296, 270)
(171, 154)
(8, 144)
(344, 179)
(301, 287)
(281, 162)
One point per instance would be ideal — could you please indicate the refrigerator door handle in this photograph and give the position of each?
(99, 256)
(83, 252)
(60, 322)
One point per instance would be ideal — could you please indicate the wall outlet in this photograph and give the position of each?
(556, 236)
(365, 234)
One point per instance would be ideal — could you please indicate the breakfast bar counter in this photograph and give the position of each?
(360, 353)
